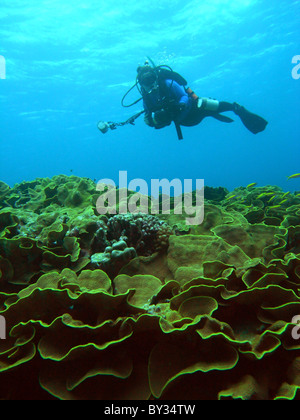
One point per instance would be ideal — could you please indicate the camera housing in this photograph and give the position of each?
(103, 126)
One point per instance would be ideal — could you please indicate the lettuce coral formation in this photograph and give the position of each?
(143, 307)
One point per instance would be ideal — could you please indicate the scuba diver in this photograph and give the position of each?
(166, 99)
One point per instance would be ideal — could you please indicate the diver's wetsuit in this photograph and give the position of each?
(188, 113)
(178, 106)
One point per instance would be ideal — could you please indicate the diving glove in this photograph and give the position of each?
(162, 119)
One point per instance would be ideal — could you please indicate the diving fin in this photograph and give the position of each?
(253, 122)
(223, 118)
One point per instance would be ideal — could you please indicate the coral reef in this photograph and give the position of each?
(53, 224)
(134, 306)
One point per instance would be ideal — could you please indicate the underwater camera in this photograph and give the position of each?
(103, 126)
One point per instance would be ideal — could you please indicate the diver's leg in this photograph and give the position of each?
(213, 105)
(207, 107)
(225, 106)
(252, 122)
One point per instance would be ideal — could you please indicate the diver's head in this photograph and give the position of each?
(147, 78)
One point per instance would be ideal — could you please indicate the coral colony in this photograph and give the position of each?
(145, 306)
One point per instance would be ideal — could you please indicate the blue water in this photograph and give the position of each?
(68, 65)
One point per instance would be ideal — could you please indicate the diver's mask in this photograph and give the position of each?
(150, 88)
(149, 82)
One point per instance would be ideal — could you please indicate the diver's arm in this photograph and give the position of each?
(148, 115)
(148, 119)
(178, 93)
(182, 103)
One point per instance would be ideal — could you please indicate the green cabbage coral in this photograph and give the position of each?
(208, 317)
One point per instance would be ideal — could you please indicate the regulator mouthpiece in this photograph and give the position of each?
(103, 126)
